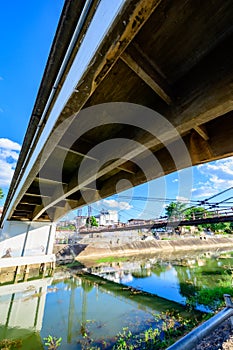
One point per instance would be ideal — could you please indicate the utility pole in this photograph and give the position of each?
(78, 222)
(79, 219)
(89, 208)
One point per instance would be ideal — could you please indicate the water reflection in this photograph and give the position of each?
(99, 311)
(22, 309)
(176, 278)
(80, 308)
(75, 308)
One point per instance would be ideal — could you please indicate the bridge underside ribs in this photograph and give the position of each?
(171, 57)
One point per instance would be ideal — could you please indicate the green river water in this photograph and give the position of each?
(80, 308)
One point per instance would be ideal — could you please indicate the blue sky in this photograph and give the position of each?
(27, 29)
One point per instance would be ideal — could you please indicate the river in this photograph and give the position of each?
(88, 311)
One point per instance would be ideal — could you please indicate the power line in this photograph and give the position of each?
(198, 202)
(156, 199)
(217, 194)
(222, 205)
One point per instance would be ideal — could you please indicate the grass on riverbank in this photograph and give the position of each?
(111, 259)
(210, 297)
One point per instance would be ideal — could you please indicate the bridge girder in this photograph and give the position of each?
(171, 57)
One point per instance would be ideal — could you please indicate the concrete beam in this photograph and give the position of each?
(139, 63)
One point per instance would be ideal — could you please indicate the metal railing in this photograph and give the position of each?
(190, 340)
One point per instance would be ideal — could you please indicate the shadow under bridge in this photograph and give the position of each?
(132, 90)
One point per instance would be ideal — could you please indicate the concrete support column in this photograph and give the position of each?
(24, 248)
(26, 272)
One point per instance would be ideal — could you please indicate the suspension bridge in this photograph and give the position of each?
(201, 212)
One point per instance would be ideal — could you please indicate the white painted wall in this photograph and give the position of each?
(34, 238)
(109, 218)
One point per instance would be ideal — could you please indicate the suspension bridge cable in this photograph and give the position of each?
(217, 194)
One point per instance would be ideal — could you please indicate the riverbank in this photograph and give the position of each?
(220, 339)
(97, 248)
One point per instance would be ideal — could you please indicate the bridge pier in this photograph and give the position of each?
(26, 248)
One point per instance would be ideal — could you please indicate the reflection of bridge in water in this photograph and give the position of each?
(22, 309)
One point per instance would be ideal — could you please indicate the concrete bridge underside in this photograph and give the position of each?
(160, 77)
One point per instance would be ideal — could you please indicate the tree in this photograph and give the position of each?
(178, 211)
(218, 226)
(194, 213)
(92, 221)
(175, 210)
(1, 194)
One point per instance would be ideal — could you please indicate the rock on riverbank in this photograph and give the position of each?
(220, 339)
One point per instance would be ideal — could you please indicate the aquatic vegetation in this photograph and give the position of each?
(52, 342)
(124, 340)
(9, 344)
(210, 297)
(167, 326)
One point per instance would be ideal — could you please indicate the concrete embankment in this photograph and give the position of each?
(104, 248)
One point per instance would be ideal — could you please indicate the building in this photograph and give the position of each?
(107, 218)
(139, 221)
(81, 221)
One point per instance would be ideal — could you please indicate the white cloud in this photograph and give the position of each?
(9, 153)
(181, 199)
(221, 169)
(124, 206)
(6, 173)
(9, 144)
(219, 176)
(204, 191)
(175, 180)
(112, 203)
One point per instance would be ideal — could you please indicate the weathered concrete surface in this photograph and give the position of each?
(102, 249)
(168, 61)
(66, 253)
